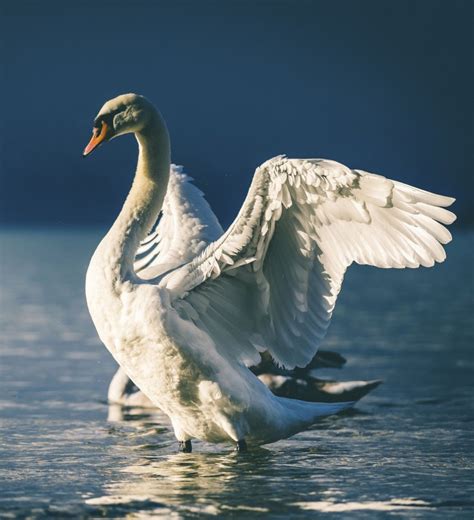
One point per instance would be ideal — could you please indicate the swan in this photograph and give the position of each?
(185, 314)
(295, 384)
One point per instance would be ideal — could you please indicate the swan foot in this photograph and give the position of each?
(241, 446)
(185, 446)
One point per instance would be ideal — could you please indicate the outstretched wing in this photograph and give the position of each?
(185, 227)
(271, 281)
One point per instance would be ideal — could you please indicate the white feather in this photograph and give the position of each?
(186, 226)
(360, 217)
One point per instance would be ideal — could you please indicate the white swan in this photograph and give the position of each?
(186, 319)
(201, 228)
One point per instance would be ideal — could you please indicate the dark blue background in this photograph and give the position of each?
(383, 86)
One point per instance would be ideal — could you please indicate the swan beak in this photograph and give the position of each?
(97, 138)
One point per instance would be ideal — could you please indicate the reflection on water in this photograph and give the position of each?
(406, 450)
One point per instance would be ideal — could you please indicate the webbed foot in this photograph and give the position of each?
(185, 446)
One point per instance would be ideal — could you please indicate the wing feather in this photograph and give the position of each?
(272, 280)
(185, 227)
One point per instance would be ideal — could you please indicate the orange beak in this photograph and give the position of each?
(97, 138)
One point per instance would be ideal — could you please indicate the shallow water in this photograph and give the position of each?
(406, 450)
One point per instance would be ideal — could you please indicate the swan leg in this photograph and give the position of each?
(185, 446)
(241, 446)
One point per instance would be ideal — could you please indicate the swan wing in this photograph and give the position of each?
(271, 281)
(184, 228)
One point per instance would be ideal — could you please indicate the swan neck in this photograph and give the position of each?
(153, 150)
(145, 200)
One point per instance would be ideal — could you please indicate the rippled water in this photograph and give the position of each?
(407, 450)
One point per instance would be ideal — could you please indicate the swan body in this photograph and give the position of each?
(160, 252)
(123, 392)
(187, 309)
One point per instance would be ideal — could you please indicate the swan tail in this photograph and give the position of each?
(292, 416)
(325, 409)
(298, 415)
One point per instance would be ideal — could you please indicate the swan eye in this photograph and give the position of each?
(105, 118)
(97, 125)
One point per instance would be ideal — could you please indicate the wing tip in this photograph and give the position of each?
(447, 201)
(451, 217)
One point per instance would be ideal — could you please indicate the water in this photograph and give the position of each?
(406, 451)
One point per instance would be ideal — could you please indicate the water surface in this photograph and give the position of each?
(406, 451)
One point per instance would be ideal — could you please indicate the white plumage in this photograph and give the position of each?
(302, 224)
(187, 311)
(187, 225)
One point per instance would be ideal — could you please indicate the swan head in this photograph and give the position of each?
(125, 114)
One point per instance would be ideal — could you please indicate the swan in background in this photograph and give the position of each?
(295, 384)
(186, 322)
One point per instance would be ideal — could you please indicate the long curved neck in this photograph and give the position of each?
(145, 199)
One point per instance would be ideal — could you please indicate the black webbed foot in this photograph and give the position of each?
(241, 446)
(185, 446)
